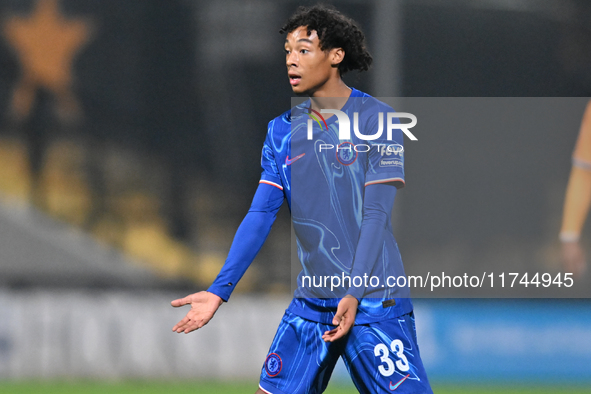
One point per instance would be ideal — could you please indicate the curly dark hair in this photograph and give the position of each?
(335, 30)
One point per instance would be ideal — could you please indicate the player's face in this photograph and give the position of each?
(308, 66)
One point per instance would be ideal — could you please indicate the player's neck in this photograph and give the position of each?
(333, 95)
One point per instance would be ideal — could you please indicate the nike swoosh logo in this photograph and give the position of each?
(293, 159)
(395, 386)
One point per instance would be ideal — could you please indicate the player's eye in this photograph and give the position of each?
(304, 51)
(287, 52)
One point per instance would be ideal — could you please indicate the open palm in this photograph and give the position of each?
(203, 306)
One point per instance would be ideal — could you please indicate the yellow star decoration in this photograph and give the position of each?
(46, 43)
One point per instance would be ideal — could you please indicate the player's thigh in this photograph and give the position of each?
(299, 361)
(384, 356)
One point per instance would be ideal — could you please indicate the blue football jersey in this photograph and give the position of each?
(323, 173)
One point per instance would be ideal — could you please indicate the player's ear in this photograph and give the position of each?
(336, 56)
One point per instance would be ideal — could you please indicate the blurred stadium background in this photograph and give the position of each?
(130, 136)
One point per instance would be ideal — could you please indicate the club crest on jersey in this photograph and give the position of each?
(273, 364)
(346, 153)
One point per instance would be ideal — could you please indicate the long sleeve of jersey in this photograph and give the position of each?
(249, 239)
(377, 209)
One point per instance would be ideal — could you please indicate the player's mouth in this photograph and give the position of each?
(294, 79)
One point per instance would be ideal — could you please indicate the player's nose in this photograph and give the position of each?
(291, 59)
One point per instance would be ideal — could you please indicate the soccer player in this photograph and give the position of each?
(340, 190)
(577, 200)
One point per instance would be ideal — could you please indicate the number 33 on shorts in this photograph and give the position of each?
(383, 357)
(387, 367)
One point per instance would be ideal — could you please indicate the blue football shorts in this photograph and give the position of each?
(381, 357)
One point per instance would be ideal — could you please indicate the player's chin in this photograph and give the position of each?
(298, 89)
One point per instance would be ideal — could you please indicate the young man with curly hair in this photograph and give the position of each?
(341, 202)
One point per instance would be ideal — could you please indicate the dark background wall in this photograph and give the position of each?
(186, 88)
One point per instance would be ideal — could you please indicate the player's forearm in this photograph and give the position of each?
(576, 203)
(249, 239)
(377, 208)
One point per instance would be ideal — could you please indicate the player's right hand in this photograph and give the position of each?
(203, 306)
(573, 258)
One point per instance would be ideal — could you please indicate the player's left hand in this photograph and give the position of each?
(343, 319)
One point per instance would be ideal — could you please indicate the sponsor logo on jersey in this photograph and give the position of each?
(273, 364)
(395, 386)
(289, 161)
(392, 156)
(391, 163)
